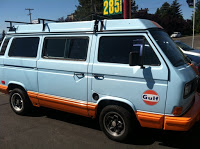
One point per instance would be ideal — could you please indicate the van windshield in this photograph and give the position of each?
(171, 50)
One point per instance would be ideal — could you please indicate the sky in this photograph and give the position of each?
(53, 9)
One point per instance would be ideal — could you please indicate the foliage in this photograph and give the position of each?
(176, 10)
(197, 18)
(134, 8)
(171, 19)
(61, 19)
(169, 16)
(87, 8)
(164, 10)
(3, 34)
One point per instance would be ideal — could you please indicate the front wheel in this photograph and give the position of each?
(116, 122)
(20, 102)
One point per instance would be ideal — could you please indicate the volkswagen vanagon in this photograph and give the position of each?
(122, 72)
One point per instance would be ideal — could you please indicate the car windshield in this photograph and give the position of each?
(184, 46)
(171, 50)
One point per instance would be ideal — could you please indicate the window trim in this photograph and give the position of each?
(2, 53)
(99, 39)
(24, 56)
(65, 37)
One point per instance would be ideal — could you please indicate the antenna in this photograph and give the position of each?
(29, 9)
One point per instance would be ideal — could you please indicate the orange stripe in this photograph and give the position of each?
(4, 89)
(185, 122)
(33, 98)
(64, 104)
(92, 109)
(150, 120)
(182, 123)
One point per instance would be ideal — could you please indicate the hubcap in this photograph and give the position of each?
(17, 102)
(114, 124)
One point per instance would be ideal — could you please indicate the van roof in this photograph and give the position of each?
(87, 26)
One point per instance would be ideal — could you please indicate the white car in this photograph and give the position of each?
(193, 54)
(176, 35)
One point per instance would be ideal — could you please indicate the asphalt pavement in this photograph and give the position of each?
(51, 129)
(188, 41)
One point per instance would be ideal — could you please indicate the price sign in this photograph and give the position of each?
(112, 7)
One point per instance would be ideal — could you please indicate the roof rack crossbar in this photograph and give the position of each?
(96, 26)
(12, 28)
(43, 22)
(18, 22)
(47, 20)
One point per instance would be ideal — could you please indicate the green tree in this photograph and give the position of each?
(163, 10)
(176, 9)
(3, 34)
(134, 8)
(197, 18)
(61, 19)
(170, 17)
(87, 9)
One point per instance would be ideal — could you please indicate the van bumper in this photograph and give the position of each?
(185, 122)
(4, 89)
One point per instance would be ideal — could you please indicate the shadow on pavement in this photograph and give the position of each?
(65, 117)
(183, 140)
(145, 136)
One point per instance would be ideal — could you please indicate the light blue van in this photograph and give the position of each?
(123, 72)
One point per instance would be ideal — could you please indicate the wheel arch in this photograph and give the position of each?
(103, 102)
(12, 85)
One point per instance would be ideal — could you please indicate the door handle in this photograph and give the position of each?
(98, 76)
(79, 74)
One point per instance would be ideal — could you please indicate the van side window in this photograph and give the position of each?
(24, 47)
(66, 48)
(117, 50)
(54, 48)
(4, 46)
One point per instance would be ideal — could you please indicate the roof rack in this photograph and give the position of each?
(43, 22)
(12, 28)
(95, 25)
(84, 26)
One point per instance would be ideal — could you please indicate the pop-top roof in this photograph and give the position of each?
(87, 26)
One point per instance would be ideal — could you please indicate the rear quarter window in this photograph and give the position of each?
(4, 46)
(24, 47)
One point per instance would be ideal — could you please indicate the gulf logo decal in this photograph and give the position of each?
(150, 97)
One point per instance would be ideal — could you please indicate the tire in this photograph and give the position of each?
(116, 122)
(19, 102)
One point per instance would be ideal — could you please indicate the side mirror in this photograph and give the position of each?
(135, 59)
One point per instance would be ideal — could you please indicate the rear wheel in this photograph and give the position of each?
(20, 102)
(116, 122)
